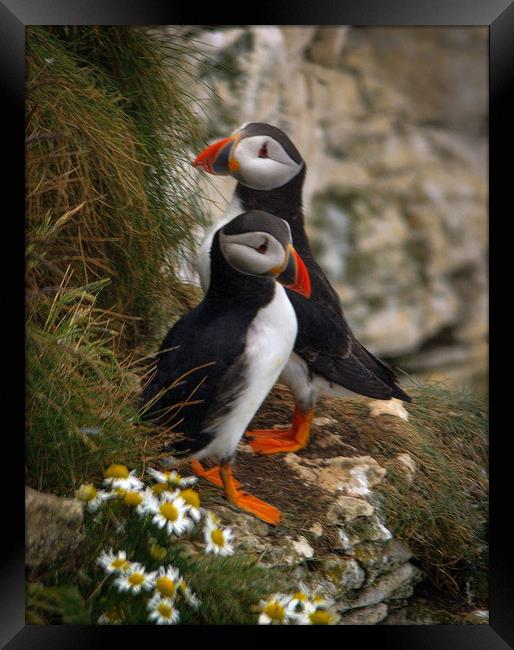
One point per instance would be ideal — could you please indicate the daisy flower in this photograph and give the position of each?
(172, 478)
(218, 539)
(113, 562)
(170, 511)
(274, 611)
(140, 500)
(190, 598)
(300, 601)
(91, 497)
(134, 579)
(167, 581)
(118, 476)
(192, 498)
(162, 610)
(319, 616)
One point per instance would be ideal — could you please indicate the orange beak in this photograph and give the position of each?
(215, 159)
(295, 275)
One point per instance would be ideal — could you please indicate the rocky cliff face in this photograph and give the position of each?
(392, 125)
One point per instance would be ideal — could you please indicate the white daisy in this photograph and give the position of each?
(92, 497)
(274, 611)
(113, 562)
(172, 478)
(192, 499)
(134, 579)
(167, 581)
(190, 598)
(218, 539)
(300, 601)
(141, 500)
(170, 511)
(162, 610)
(318, 616)
(118, 476)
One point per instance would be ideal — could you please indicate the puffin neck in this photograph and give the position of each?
(284, 202)
(228, 286)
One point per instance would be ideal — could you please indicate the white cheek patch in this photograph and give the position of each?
(266, 173)
(240, 252)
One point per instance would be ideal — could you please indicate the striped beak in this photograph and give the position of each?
(294, 275)
(217, 158)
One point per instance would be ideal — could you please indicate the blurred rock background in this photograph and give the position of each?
(392, 123)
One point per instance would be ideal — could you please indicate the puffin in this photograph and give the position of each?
(218, 363)
(327, 358)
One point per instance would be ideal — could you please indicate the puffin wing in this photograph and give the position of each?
(326, 343)
(195, 377)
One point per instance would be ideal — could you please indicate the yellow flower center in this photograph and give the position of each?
(164, 610)
(132, 498)
(275, 611)
(157, 552)
(217, 537)
(191, 497)
(299, 595)
(136, 578)
(159, 488)
(120, 563)
(320, 617)
(117, 471)
(165, 585)
(169, 511)
(172, 478)
(86, 492)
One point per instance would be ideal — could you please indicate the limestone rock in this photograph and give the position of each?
(347, 509)
(53, 527)
(385, 587)
(365, 615)
(344, 573)
(396, 191)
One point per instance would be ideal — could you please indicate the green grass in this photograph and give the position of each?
(443, 514)
(110, 136)
(111, 205)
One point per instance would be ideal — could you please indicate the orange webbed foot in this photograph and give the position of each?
(275, 445)
(283, 440)
(212, 475)
(245, 501)
(281, 434)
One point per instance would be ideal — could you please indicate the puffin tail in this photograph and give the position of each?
(381, 370)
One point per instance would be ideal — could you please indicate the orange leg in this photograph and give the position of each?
(281, 440)
(245, 501)
(212, 475)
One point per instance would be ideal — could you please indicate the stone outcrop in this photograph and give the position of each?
(343, 548)
(392, 125)
(53, 527)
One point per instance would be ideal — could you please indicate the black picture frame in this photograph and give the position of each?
(498, 16)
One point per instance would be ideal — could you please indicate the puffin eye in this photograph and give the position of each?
(263, 247)
(263, 151)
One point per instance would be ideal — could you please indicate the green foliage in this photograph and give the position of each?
(110, 134)
(80, 399)
(443, 514)
(110, 212)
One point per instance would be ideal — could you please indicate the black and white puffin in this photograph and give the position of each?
(217, 364)
(327, 358)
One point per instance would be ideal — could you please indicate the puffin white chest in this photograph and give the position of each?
(269, 343)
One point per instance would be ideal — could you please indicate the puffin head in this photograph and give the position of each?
(258, 155)
(258, 243)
